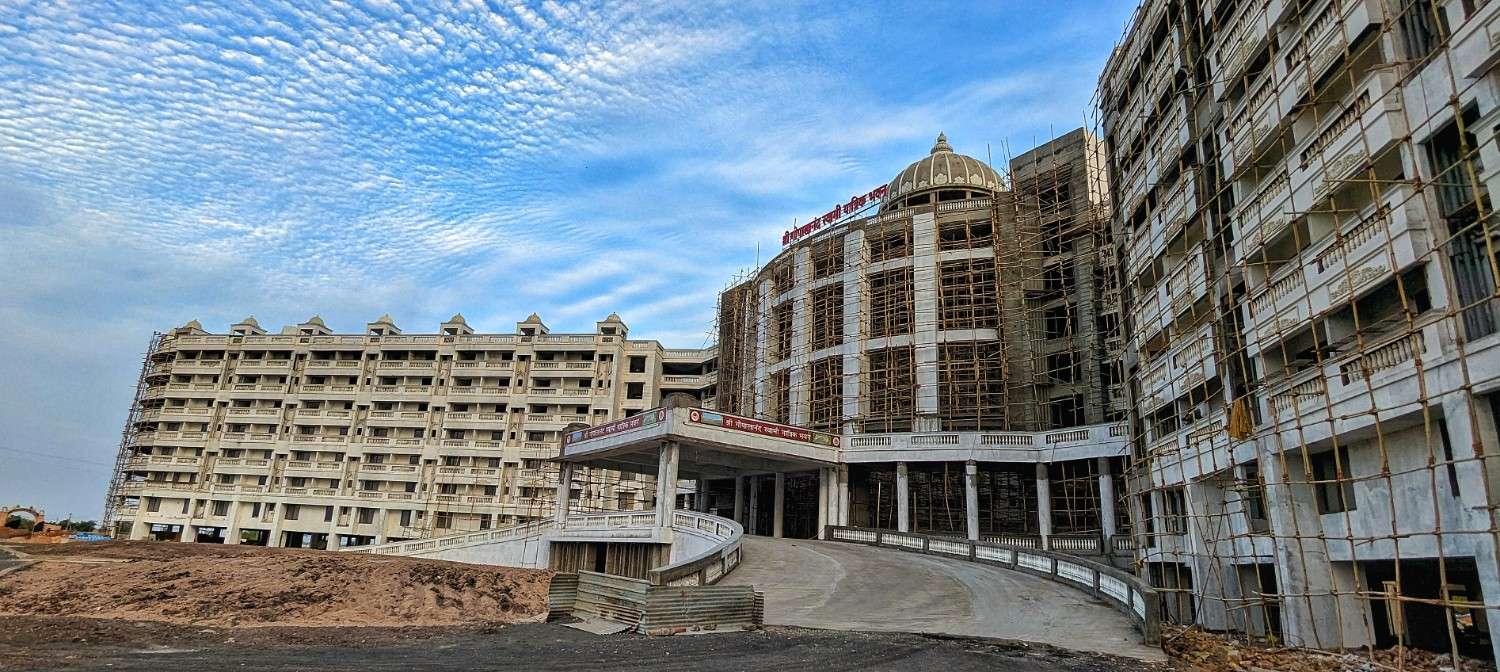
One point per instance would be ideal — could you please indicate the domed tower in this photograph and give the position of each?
(943, 175)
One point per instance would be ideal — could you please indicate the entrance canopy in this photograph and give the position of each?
(711, 444)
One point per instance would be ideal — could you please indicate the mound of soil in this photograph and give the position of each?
(201, 584)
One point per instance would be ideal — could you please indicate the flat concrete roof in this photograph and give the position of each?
(711, 444)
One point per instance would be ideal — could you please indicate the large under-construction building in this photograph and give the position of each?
(311, 438)
(956, 337)
(1302, 203)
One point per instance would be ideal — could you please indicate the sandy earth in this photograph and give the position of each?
(207, 585)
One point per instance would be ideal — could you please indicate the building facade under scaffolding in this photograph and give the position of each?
(1302, 200)
(958, 339)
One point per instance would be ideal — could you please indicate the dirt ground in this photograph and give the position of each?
(225, 586)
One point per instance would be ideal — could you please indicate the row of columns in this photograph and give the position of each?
(833, 497)
(1043, 497)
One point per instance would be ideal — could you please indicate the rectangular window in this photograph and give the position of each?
(1174, 511)
(406, 518)
(826, 406)
(781, 317)
(890, 303)
(366, 515)
(890, 397)
(1333, 481)
(1422, 27)
(828, 258)
(968, 295)
(221, 508)
(827, 316)
(291, 511)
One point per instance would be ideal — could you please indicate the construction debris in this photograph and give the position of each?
(1203, 651)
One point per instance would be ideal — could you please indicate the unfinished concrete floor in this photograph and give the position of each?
(840, 586)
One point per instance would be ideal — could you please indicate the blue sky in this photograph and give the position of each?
(161, 163)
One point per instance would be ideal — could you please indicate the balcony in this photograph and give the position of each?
(263, 365)
(1325, 38)
(1352, 383)
(414, 366)
(1262, 216)
(1244, 36)
(319, 438)
(269, 415)
(272, 388)
(1189, 363)
(1150, 312)
(332, 366)
(402, 391)
(182, 414)
(479, 366)
(566, 392)
(398, 418)
(1368, 122)
(1188, 283)
(193, 387)
(327, 389)
(198, 366)
(1384, 239)
(312, 469)
(1191, 452)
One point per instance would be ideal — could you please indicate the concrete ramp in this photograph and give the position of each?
(840, 586)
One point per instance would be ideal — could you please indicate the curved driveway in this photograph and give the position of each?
(841, 586)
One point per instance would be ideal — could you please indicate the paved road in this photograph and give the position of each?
(31, 643)
(840, 586)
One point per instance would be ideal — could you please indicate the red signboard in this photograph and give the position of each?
(637, 421)
(763, 428)
(854, 205)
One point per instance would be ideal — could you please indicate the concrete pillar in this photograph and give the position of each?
(232, 530)
(750, 525)
(702, 499)
(139, 528)
(274, 535)
(825, 480)
(842, 510)
(188, 532)
(666, 484)
(925, 307)
(380, 526)
(564, 493)
(739, 499)
(903, 498)
(1106, 503)
(971, 499)
(1313, 612)
(779, 507)
(1043, 504)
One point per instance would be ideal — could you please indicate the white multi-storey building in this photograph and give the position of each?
(1309, 273)
(308, 438)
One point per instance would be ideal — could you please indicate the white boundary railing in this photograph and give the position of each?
(706, 568)
(1122, 590)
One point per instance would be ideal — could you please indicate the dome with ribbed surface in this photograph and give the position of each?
(942, 168)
